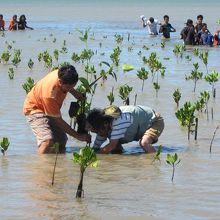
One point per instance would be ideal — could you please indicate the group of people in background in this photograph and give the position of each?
(14, 24)
(197, 34)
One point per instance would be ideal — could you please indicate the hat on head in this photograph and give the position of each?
(189, 21)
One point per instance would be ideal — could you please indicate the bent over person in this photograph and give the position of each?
(42, 109)
(123, 125)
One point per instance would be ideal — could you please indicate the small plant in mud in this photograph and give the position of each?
(55, 147)
(47, 58)
(124, 92)
(11, 73)
(195, 75)
(115, 56)
(28, 85)
(84, 35)
(142, 74)
(86, 157)
(118, 38)
(16, 58)
(4, 143)
(86, 55)
(111, 97)
(75, 57)
(178, 50)
(204, 57)
(186, 117)
(200, 104)
(30, 64)
(212, 78)
(172, 160)
(64, 49)
(56, 55)
(213, 136)
(162, 44)
(5, 56)
(157, 154)
(196, 52)
(205, 96)
(177, 96)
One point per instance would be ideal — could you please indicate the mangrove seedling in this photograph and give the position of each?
(86, 55)
(64, 49)
(86, 157)
(172, 160)
(16, 58)
(212, 78)
(162, 44)
(118, 38)
(142, 74)
(11, 73)
(210, 147)
(195, 75)
(205, 95)
(127, 67)
(204, 57)
(177, 96)
(56, 54)
(186, 117)
(156, 87)
(5, 56)
(28, 85)
(4, 143)
(157, 154)
(75, 57)
(84, 35)
(30, 64)
(55, 147)
(200, 104)
(111, 97)
(178, 49)
(196, 52)
(124, 92)
(115, 56)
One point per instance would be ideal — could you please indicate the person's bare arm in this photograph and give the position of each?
(78, 95)
(109, 147)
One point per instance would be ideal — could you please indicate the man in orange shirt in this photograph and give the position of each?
(42, 109)
(13, 25)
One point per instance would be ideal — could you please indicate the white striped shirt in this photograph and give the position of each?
(119, 128)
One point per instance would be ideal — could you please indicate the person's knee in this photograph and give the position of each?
(46, 147)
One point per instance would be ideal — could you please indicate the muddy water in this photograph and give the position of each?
(127, 186)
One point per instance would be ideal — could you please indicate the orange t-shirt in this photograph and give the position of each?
(11, 24)
(45, 97)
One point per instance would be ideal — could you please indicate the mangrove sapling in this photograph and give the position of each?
(145, 48)
(162, 44)
(204, 57)
(200, 104)
(195, 75)
(56, 55)
(178, 50)
(28, 85)
(186, 116)
(127, 67)
(172, 160)
(11, 73)
(84, 36)
(115, 56)
(157, 154)
(210, 147)
(75, 58)
(205, 95)
(86, 55)
(124, 92)
(55, 147)
(5, 57)
(30, 64)
(86, 157)
(64, 49)
(212, 78)
(4, 143)
(54, 40)
(130, 48)
(156, 87)
(196, 52)
(142, 74)
(177, 96)
(118, 38)
(16, 58)
(111, 97)
(47, 58)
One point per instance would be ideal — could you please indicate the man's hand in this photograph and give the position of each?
(84, 137)
(78, 95)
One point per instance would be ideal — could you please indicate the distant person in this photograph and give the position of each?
(188, 33)
(205, 37)
(166, 27)
(2, 23)
(42, 109)
(13, 25)
(151, 23)
(198, 25)
(216, 38)
(22, 24)
(123, 125)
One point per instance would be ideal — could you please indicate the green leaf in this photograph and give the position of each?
(127, 67)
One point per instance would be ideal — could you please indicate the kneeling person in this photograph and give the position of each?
(123, 125)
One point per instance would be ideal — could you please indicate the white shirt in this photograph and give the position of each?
(152, 27)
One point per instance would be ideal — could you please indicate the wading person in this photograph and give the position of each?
(188, 33)
(123, 125)
(13, 25)
(166, 27)
(42, 109)
(152, 25)
(22, 23)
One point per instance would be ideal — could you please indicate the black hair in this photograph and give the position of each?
(22, 16)
(68, 75)
(166, 16)
(151, 19)
(199, 16)
(97, 118)
(1, 15)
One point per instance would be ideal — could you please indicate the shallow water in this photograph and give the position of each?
(127, 186)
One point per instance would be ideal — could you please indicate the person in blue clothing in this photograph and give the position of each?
(166, 27)
(205, 37)
(123, 125)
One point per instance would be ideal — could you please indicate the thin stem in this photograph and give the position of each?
(54, 168)
(210, 148)
(196, 128)
(173, 172)
(80, 186)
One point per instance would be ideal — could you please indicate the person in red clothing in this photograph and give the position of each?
(2, 23)
(13, 25)
(42, 109)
